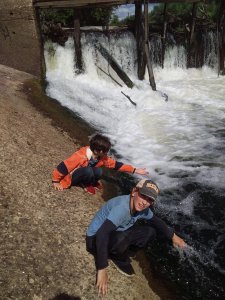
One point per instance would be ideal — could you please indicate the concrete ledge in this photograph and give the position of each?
(19, 38)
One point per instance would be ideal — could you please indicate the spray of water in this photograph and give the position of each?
(180, 142)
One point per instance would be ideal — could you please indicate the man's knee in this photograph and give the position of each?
(88, 171)
(118, 243)
(148, 235)
(97, 172)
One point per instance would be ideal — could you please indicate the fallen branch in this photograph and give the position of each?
(109, 76)
(115, 66)
(129, 99)
(118, 84)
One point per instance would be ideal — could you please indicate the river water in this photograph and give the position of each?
(181, 142)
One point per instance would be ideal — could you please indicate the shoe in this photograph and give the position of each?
(90, 189)
(98, 186)
(124, 268)
(132, 251)
(132, 254)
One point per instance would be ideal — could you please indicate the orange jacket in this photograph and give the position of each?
(80, 159)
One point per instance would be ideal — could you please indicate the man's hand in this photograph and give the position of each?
(178, 242)
(141, 171)
(102, 282)
(57, 186)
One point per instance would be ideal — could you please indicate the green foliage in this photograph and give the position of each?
(156, 15)
(129, 21)
(208, 11)
(63, 16)
(179, 14)
(96, 16)
(89, 16)
(175, 12)
(115, 20)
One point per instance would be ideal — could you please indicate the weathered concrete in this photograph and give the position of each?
(19, 40)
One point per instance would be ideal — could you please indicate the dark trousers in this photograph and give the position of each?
(123, 244)
(86, 176)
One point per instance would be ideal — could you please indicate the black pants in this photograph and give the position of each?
(122, 244)
(86, 176)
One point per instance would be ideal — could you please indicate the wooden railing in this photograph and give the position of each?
(78, 3)
(100, 3)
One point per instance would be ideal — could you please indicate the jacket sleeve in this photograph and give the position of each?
(60, 172)
(116, 165)
(73, 161)
(66, 166)
(161, 227)
(102, 240)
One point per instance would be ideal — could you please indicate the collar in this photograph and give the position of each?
(89, 153)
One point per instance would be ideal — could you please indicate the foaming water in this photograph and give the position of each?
(181, 142)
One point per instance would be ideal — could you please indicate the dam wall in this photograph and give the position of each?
(20, 45)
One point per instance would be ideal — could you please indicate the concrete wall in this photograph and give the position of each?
(20, 46)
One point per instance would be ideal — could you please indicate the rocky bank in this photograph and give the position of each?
(42, 239)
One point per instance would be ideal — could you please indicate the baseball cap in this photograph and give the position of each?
(148, 188)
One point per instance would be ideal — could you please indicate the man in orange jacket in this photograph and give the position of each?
(82, 168)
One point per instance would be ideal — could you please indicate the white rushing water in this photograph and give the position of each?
(154, 133)
(181, 142)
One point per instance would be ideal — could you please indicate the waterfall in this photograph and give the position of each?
(181, 142)
(210, 50)
(176, 54)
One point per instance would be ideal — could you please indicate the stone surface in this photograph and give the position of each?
(42, 236)
(19, 40)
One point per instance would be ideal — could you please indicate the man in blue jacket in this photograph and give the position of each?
(114, 234)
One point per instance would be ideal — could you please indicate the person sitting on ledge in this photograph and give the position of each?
(82, 168)
(115, 234)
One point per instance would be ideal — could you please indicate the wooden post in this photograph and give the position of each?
(191, 36)
(194, 12)
(147, 48)
(140, 42)
(41, 42)
(111, 61)
(164, 33)
(77, 42)
(221, 38)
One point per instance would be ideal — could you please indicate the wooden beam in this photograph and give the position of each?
(147, 48)
(140, 41)
(77, 40)
(100, 3)
(115, 66)
(192, 45)
(77, 3)
(221, 38)
(193, 21)
(164, 33)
